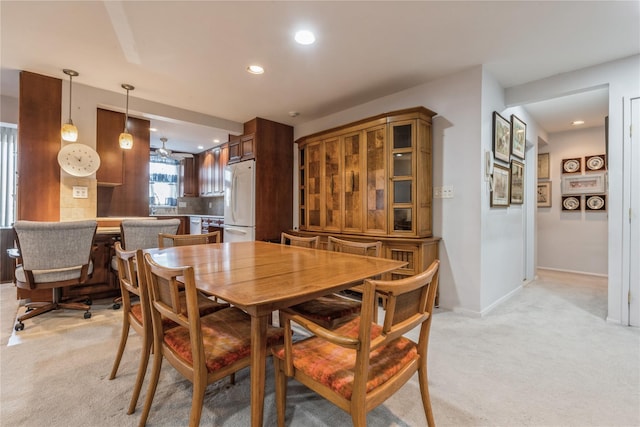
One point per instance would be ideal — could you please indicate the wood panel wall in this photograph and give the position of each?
(131, 196)
(39, 122)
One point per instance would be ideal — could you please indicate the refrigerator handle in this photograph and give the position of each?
(234, 189)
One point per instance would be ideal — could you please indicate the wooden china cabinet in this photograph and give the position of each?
(372, 180)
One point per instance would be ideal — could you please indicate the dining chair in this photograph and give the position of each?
(202, 349)
(360, 364)
(167, 240)
(136, 304)
(141, 234)
(53, 255)
(335, 309)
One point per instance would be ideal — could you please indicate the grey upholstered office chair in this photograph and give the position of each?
(142, 234)
(54, 255)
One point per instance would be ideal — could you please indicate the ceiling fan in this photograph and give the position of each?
(166, 153)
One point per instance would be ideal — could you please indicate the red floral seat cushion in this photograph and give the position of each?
(328, 311)
(226, 337)
(333, 366)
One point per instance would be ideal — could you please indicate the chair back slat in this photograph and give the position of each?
(165, 293)
(302, 242)
(357, 248)
(166, 240)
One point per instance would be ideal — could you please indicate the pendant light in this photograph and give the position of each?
(126, 139)
(69, 132)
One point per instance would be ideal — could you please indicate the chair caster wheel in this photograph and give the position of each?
(19, 326)
(88, 301)
(115, 306)
(87, 315)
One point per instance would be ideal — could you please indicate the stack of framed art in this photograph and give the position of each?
(584, 183)
(544, 185)
(509, 140)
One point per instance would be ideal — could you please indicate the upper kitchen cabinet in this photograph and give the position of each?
(188, 178)
(371, 177)
(123, 185)
(211, 165)
(242, 147)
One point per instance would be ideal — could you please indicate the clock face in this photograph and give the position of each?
(78, 159)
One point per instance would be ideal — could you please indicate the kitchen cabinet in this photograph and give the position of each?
(211, 165)
(123, 186)
(242, 148)
(371, 177)
(188, 178)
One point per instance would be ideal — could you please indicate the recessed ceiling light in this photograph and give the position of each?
(216, 140)
(153, 129)
(577, 122)
(255, 69)
(200, 147)
(305, 37)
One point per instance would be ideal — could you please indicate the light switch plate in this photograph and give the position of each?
(80, 192)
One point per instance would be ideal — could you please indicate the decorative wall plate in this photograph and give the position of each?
(571, 165)
(595, 163)
(570, 203)
(596, 203)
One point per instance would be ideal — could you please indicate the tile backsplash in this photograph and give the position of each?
(201, 205)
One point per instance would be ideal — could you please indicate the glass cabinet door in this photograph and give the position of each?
(376, 180)
(302, 202)
(402, 173)
(332, 184)
(312, 187)
(352, 149)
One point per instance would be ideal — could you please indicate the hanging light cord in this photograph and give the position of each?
(70, 86)
(126, 115)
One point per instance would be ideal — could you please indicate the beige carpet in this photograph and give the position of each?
(546, 357)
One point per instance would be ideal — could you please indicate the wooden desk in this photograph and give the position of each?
(261, 277)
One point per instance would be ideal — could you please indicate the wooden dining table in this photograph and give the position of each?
(261, 277)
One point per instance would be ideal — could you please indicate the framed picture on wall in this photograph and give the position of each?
(595, 163)
(518, 136)
(501, 139)
(544, 194)
(516, 192)
(572, 165)
(500, 186)
(543, 166)
(572, 203)
(593, 183)
(596, 203)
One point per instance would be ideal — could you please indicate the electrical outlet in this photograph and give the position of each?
(210, 205)
(437, 192)
(80, 192)
(447, 192)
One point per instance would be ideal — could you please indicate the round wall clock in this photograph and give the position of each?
(78, 159)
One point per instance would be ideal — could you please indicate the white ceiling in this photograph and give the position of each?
(194, 55)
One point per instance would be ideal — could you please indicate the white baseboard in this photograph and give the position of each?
(585, 273)
(500, 301)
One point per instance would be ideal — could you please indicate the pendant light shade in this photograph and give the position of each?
(126, 139)
(69, 132)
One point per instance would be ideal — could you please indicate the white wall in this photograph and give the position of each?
(622, 78)
(568, 240)
(8, 109)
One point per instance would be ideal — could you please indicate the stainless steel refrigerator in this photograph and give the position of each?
(239, 201)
